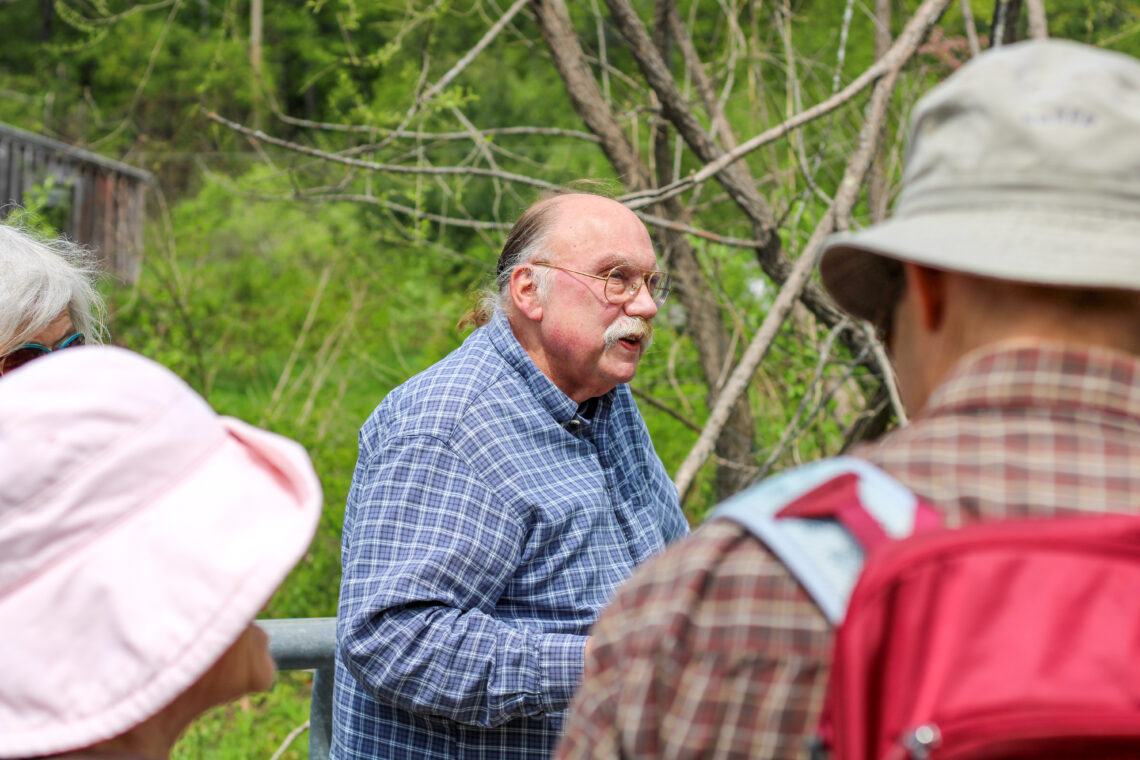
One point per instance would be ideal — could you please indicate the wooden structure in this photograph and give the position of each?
(93, 200)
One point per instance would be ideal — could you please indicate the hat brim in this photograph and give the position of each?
(1045, 246)
(173, 584)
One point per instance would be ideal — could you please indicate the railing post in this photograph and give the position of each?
(320, 731)
(308, 644)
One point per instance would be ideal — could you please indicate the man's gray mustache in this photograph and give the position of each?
(638, 328)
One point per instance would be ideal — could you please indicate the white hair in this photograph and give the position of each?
(39, 279)
(542, 277)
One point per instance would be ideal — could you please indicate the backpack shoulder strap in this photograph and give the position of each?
(820, 519)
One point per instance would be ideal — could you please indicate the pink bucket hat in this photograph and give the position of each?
(140, 533)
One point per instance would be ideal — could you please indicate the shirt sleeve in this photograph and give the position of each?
(428, 555)
(710, 651)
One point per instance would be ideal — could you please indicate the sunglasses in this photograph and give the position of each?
(21, 355)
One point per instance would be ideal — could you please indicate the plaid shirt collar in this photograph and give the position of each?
(1042, 375)
(561, 407)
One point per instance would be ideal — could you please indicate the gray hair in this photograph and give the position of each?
(526, 242)
(39, 279)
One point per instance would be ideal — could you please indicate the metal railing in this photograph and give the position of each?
(308, 644)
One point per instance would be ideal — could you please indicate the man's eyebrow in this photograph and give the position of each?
(614, 260)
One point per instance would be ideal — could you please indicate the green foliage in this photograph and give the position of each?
(289, 316)
(40, 212)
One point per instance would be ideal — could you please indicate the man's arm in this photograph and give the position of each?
(710, 650)
(429, 554)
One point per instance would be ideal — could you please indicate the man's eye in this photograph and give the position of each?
(619, 275)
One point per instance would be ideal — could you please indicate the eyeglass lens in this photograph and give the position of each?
(623, 282)
(30, 351)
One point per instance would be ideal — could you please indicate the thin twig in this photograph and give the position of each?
(145, 77)
(463, 62)
(257, 134)
(793, 427)
(853, 177)
(662, 406)
(406, 134)
(399, 208)
(734, 242)
(289, 740)
(899, 53)
(298, 344)
(889, 379)
(327, 355)
(481, 145)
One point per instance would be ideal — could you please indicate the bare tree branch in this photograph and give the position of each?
(404, 134)
(853, 177)
(889, 381)
(793, 427)
(742, 375)
(554, 22)
(260, 136)
(971, 28)
(480, 46)
(1006, 15)
(877, 183)
(718, 124)
(662, 406)
(716, 352)
(447, 221)
(733, 177)
(688, 229)
(921, 22)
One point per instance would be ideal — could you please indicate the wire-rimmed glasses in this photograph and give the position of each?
(624, 281)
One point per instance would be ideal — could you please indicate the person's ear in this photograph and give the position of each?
(928, 288)
(524, 292)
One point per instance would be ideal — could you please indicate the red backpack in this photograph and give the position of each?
(1016, 639)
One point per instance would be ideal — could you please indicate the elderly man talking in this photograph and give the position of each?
(1007, 288)
(499, 498)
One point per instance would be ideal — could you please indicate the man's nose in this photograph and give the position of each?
(642, 304)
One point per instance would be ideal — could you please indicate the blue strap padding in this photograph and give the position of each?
(821, 554)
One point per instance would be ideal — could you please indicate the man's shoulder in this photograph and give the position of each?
(444, 397)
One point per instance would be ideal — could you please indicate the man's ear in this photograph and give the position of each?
(928, 287)
(524, 292)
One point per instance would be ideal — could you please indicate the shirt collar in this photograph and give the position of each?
(1043, 375)
(561, 407)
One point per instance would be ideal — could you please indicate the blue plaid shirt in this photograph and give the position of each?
(488, 523)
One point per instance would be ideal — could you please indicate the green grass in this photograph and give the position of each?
(255, 726)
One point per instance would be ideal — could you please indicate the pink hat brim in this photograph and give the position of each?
(110, 633)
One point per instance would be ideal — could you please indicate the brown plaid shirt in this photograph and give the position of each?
(713, 650)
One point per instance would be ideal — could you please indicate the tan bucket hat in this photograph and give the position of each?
(1024, 165)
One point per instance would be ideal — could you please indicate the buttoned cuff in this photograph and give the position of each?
(561, 660)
